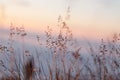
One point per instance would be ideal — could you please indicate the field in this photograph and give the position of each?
(58, 57)
(56, 53)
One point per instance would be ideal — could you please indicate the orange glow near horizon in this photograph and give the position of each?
(92, 19)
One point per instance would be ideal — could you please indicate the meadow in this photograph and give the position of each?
(58, 57)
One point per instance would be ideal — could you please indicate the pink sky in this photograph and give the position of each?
(89, 18)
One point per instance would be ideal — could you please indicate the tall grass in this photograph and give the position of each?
(63, 59)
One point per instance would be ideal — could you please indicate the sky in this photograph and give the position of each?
(88, 18)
